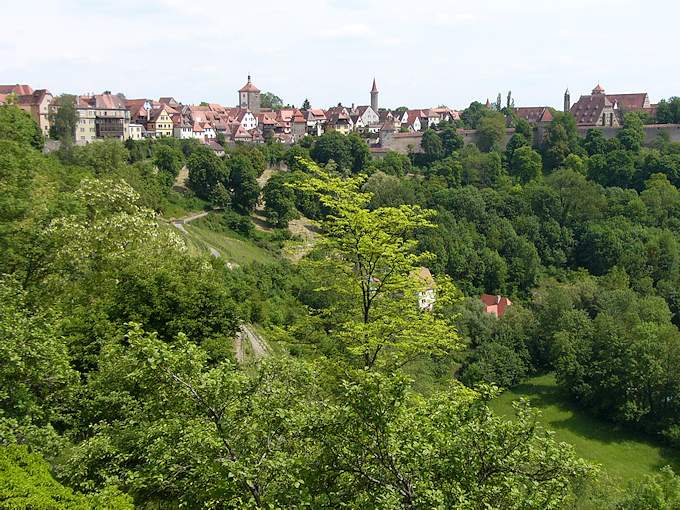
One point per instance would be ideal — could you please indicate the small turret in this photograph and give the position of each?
(567, 101)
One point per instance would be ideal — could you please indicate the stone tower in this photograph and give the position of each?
(249, 97)
(567, 101)
(374, 97)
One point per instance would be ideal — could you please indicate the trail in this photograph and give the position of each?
(258, 345)
(179, 225)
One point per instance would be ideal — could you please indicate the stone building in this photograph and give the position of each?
(101, 116)
(249, 97)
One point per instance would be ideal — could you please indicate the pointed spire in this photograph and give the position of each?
(375, 88)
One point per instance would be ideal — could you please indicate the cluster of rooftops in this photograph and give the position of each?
(249, 121)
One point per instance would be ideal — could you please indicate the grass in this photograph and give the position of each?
(231, 249)
(622, 454)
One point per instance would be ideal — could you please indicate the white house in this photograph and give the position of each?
(135, 131)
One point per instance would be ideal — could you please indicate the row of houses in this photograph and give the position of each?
(110, 115)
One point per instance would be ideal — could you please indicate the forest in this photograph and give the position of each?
(120, 384)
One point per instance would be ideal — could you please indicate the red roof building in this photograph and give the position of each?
(495, 305)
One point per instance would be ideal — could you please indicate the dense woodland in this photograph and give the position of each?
(119, 386)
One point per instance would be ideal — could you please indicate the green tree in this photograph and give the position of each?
(374, 261)
(432, 145)
(64, 119)
(334, 146)
(169, 162)
(206, 171)
(244, 183)
(360, 155)
(26, 482)
(271, 100)
(473, 114)
(17, 125)
(526, 164)
(491, 131)
(633, 134)
(279, 200)
(451, 140)
(306, 105)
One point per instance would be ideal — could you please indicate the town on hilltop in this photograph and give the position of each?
(107, 115)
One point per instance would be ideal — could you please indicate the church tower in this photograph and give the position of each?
(567, 101)
(374, 97)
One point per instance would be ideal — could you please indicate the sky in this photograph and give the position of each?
(423, 53)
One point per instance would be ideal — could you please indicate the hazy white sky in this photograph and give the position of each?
(422, 53)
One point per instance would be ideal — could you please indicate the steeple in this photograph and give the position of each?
(374, 97)
(567, 101)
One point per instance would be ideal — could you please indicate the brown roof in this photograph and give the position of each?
(249, 87)
(588, 109)
(19, 90)
(534, 114)
(374, 89)
(33, 99)
(636, 101)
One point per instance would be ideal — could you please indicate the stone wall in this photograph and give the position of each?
(406, 143)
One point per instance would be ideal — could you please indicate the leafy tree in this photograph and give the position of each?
(562, 139)
(334, 146)
(271, 100)
(491, 131)
(103, 157)
(451, 140)
(26, 482)
(279, 200)
(169, 162)
(657, 492)
(306, 105)
(360, 155)
(526, 164)
(633, 134)
(244, 183)
(668, 111)
(373, 259)
(17, 125)
(206, 171)
(473, 114)
(509, 465)
(394, 163)
(432, 145)
(64, 120)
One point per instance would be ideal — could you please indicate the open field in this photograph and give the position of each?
(623, 455)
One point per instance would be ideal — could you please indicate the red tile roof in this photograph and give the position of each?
(249, 87)
(19, 90)
(630, 102)
(495, 305)
(534, 114)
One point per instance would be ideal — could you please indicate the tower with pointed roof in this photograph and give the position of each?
(374, 97)
(249, 97)
(567, 101)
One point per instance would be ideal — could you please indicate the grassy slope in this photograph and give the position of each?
(231, 249)
(623, 455)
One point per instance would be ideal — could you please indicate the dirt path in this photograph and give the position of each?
(258, 345)
(179, 225)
